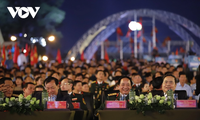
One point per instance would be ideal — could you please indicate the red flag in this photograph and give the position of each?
(58, 57)
(176, 51)
(164, 43)
(35, 55)
(128, 34)
(27, 50)
(3, 56)
(106, 57)
(156, 30)
(107, 42)
(182, 50)
(82, 56)
(119, 31)
(156, 40)
(144, 40)
(16, 53)
(140, 32)
(138, 45)
(131, 40)
(32, 57)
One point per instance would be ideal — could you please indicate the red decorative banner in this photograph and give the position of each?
(115, 104)
(56, 105)
(186, 104)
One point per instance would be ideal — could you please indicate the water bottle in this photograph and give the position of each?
(175, 96)
(131, 96)
(1, 97)
(170, 97)
(44, 97)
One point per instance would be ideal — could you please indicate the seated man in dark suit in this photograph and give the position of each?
(51, 85)
(6, 86)
(157, 85)
(28, 89)
(124, 89)
(169, 83)
(137, 80)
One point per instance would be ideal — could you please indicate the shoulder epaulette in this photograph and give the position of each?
(106, 82)
(111, 94)
(93, 81)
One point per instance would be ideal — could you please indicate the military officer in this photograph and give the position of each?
(124, 89)
(77, 96)
(98, 87)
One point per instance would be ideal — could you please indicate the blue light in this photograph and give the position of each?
(20, 34)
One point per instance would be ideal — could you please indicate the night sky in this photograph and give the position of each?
(81, 15)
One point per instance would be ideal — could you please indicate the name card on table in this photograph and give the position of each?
(76, 105)
(116, 104)
(186, 104)
(56, 105)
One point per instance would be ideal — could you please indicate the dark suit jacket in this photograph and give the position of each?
(60, 97)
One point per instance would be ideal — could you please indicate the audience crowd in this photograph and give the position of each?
(72, 81)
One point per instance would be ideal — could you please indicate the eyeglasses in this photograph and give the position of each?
(65, 84)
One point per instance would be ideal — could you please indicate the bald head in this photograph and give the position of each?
(125, 86)
(64, 85)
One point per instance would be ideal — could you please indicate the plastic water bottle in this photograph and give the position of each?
(170, 95)
(1, 97)
(131, 96)
(44, 97)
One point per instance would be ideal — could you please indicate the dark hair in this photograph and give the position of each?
(69, 73)
(63, 78)
(84, 83)
(147, 74)
(36, 73)
(154, 76)
(40, 86)
(26, 84)
(182, 73)
(77, 67)
(170, 75)
(179, 66)
(70, 81)
(44, 73)
(76, 82)
(27, 77)
(135, 74)
(79, 74)
(142, 85)
(49, 79)
(54, 73)
(2, 80)
(157, 82)
(117, 71)
(28, 67)
(174, 71)
(37, 79)
(83, 68)
(100, 71)
(125, 77)
(18, 77)
(17, 71)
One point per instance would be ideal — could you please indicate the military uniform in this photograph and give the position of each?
(79, 98)
(137, 89)
(113, 97)
(97, 90)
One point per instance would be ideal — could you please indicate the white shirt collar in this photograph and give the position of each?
(99, 82)
(70, 93)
